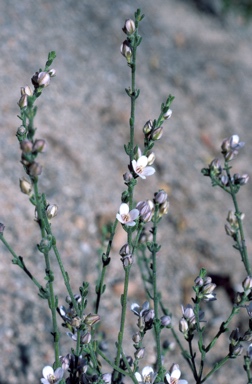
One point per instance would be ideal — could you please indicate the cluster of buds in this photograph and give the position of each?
(126, 256)
(146, 210)
(145, 316)
(75, 323)
(25, 93)
(187, 323)
(232, 227)
(126, 47)
(235, 348)
(152, 133)
(204, 288)
(215, 170)
(230, 147)
(29, 153)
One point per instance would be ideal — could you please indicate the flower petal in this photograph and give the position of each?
(47, 370)
(148, 171)
(134, 213)
(135, 308)
(124, 209)
(142, 161)
(138, 377)
(119, 218)
(147, 371)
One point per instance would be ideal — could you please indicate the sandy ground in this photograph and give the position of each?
(206, 62)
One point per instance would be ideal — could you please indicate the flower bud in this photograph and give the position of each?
(35, 169)
(215, 167)
(127, 260)
(167, 114)
(136, 338)
(51, 210)
(160, 197)
(249, 351)
(86, 338)
(165, 321)
(127, 177)
(125, 250)
(26, 146)
(241, 180)
(157, 133)
(183, 325)
(21, 130)
(2, 226)
(247, 283)
(41, 79)
(151, 158)
(148, 127)
(39, 145)
(163, 209)
(23, 102)
(92, 319)
(25, 186)
(126, 50)
(26, 91)
(139, 354)
(199, 282)
(129, 27)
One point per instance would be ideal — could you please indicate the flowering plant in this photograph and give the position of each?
(140, 221)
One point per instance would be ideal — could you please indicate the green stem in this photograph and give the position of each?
(155, 292)
(51, 299)
(215, 368)
(243, 248)
(99, 289)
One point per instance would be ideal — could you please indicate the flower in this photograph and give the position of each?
(51, 377)
(147, 375)
(139, 311)
(141, 169)
(172, 377)
(127, 217)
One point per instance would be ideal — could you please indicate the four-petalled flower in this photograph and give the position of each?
(51, 376)
(140, 167)
(127, 217)
(147, 376)
(172, 377)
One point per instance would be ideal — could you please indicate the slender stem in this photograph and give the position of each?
(243, 248)
(99, 289)
(216, 368)
(123, 314)
(155, 291)
(51, 299)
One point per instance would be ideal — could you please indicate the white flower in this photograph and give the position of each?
(51, 377)
(141, 169)
(173, 376)
(139, 311)
(147, 376)
(127, 217)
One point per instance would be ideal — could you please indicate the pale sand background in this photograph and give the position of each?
(206, 62)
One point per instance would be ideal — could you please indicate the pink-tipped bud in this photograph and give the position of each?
(136, 337)
(26, 91)
(39, 145)
(26, 146)
(35, 169)
(86, 338)
(160, 197)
